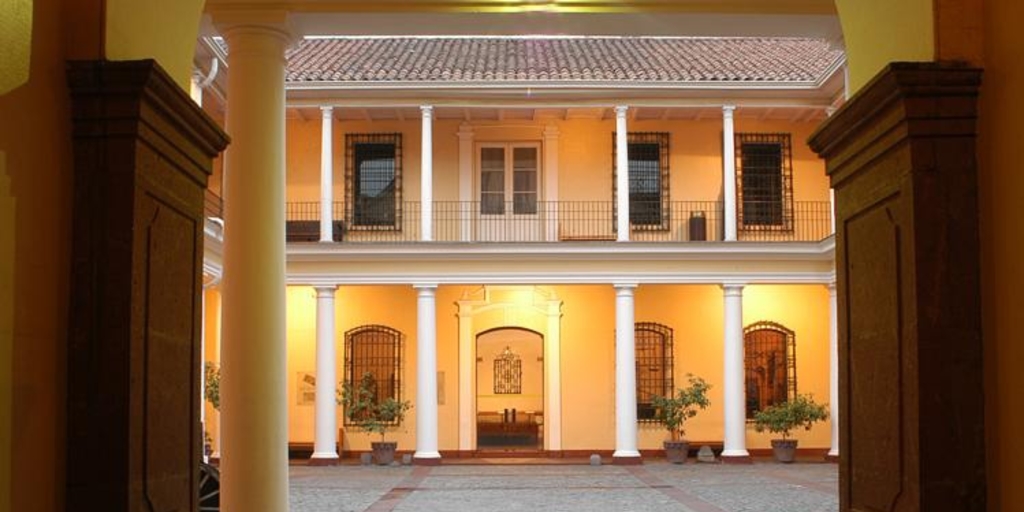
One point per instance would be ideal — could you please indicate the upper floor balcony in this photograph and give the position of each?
(525, 221)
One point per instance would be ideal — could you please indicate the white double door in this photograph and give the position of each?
(508, 178)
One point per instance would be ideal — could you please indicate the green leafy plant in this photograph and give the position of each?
(673, 411)
(364, 409)
(212, 392)
(781, 418)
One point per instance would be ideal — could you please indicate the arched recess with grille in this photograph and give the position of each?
(375, 350)
(769, 364)
(654, 366)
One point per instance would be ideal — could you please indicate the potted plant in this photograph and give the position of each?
(673, 411)
(780, 418)
(211, 394)
(366, 410)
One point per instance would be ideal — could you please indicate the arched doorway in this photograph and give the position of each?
(509, 390)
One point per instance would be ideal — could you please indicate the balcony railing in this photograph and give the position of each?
(554, 221)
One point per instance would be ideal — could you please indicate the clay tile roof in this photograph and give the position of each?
(570, 59)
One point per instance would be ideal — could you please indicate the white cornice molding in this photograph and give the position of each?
(563, 278)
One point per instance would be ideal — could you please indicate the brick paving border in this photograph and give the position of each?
(680, 496)
(392, 498)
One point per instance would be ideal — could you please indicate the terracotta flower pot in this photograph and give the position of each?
(384, 452)
(784, 449)
(676, 451)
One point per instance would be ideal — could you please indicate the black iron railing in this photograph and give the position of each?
(554, 221)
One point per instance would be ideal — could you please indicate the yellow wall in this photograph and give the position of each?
(1002, 248)
(211, 354)
(584, 159)
(35, 136)
(588, 353)
(146, 29)
(878, 32)
(15, 43)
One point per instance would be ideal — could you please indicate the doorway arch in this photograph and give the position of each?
(510, 389)
(530, 308)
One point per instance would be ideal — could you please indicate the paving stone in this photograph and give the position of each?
(654, 486)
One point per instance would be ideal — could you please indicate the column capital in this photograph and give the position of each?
(327, 111)
(620, 111)
(625, 287)
(465, 131)
(551, 132)
(427, 110)
(233, 20)
(325, 291)
(733, 288)
(831, 288)
(727, 110)
(425, 288)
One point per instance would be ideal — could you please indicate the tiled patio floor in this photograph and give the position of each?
(655, 486)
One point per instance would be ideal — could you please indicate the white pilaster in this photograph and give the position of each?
(553, 377)
(735, 402)
(625, 375)
(427, 175)
(550, 191)
(426, 375)
(622, 174)
(467, 378)
(327, 175)
(326, 428)
(465, 181)
(833, 376)
(729, 172)
(255, 448)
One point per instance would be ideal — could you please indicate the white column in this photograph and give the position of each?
(729, 172)
(833, 376)
(735, 402)
(254, 378)
(832, 208)
(625, 376)
(325, 450)
(427, 175)
(465, 180)
(550, 190)
(622, 174)
(426, 376)
(327, 175)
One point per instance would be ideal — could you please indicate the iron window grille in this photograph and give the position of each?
(373, 181)
(764, 181)
(654, 367)
(648, 154)
(769, 364)
(375, 350)
(508, 373)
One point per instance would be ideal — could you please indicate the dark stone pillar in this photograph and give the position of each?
(901, 157)
(143, 152)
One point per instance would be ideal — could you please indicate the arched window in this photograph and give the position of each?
(653, 366)
(375, 350)
(770, 364)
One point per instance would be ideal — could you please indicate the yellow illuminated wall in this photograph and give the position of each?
(695, 313)
(878, 32)
(584, 156)
(15, 43)
(142, 29)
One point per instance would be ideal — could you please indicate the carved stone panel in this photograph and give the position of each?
(901, 157)
(143, 152)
